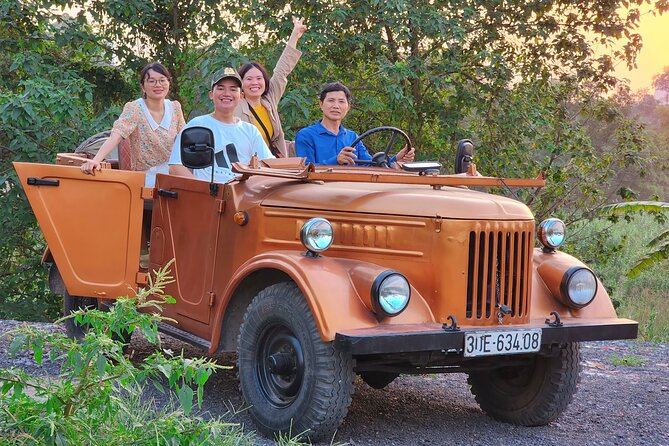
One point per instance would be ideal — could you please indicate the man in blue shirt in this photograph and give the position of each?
(328, 141)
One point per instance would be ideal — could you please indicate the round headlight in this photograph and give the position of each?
(579, 286)
(390, 293)
(551, 233)
(317, 235)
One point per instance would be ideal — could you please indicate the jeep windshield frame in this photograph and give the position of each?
(297, 170)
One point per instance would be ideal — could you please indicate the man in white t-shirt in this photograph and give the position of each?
(225, 93)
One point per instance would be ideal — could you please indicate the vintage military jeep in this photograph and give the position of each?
(313, 275)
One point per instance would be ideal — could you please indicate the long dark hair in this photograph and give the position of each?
(253, 64)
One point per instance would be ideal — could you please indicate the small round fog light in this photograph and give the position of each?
(317, 235)
(551, 233)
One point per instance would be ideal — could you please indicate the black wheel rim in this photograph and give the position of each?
(510, 380)
(279, 365)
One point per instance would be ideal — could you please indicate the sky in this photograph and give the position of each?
(654, 55)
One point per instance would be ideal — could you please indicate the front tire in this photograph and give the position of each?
(292, 381)
(531, 394)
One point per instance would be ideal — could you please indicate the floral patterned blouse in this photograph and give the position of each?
(150, 142)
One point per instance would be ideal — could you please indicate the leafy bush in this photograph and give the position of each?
(611, 250)
(97, 396)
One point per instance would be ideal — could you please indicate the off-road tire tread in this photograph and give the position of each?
(559, 386)
(71, 304)
(333, 386)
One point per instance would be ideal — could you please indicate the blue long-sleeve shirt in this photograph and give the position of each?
(320, 146)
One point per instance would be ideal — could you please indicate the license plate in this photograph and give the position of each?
(502, 342)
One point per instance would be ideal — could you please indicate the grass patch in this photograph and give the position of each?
(627, 360)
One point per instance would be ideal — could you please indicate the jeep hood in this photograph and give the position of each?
(397, 199)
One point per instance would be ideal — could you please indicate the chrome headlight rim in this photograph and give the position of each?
(376, 293)
(564, 287)
(305, 235)
(545, 233)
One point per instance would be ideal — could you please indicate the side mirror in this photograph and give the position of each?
(197, 147)
(464, 155)
(197, 151)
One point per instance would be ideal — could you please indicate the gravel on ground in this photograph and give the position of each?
(622, 399)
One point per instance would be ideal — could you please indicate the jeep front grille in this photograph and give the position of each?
(498, 270)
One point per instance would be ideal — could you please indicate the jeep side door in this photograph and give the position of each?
(92, 225)
(186, 219)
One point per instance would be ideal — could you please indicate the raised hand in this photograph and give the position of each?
(298, 29)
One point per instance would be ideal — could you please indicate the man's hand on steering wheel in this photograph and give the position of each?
(346, 156)
(404, 156)
(383, 158)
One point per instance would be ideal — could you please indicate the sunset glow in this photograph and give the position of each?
(653, 57)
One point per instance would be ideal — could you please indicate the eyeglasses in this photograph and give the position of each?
(153, 82)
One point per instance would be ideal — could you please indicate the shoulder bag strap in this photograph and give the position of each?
(272, 149)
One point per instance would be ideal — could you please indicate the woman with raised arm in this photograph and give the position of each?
(147, 125)
(262, 93)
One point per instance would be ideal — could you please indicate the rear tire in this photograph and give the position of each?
(530, 394)
(293, 382)
(74, 303)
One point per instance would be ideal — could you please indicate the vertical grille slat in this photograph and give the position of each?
(481, 275)
(521, 280)
(498, 271)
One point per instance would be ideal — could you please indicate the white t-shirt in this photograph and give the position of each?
(246, 138)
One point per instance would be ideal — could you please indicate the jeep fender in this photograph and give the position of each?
(549, 269)
(336, 290)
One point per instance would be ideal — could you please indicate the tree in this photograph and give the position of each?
(658, 246)
(47, 102)
(178, 33)
(661, 83)
(520, 78)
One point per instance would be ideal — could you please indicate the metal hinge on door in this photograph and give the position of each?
(437, 224)
(221, 206)
(212, 299)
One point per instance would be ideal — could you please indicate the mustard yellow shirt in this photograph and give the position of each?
(262, 113)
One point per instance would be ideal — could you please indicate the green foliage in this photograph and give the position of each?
(659, 244)
(611, 249)
(96, 398)
(520, 78)
(627, 360)
(46, 105)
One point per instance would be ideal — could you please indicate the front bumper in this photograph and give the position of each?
(432, 337)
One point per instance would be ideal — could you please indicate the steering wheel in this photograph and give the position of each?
(380, 159)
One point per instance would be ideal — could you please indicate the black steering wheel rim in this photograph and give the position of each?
(383, 161)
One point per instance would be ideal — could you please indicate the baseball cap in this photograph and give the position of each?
(227, 72)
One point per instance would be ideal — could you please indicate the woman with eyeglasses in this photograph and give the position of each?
(262, 94)
(147, 127)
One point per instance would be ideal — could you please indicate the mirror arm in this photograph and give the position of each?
(213, 187)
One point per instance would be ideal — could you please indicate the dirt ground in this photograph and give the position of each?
(622, 399)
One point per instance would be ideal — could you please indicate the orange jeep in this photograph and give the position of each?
(313, 275)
